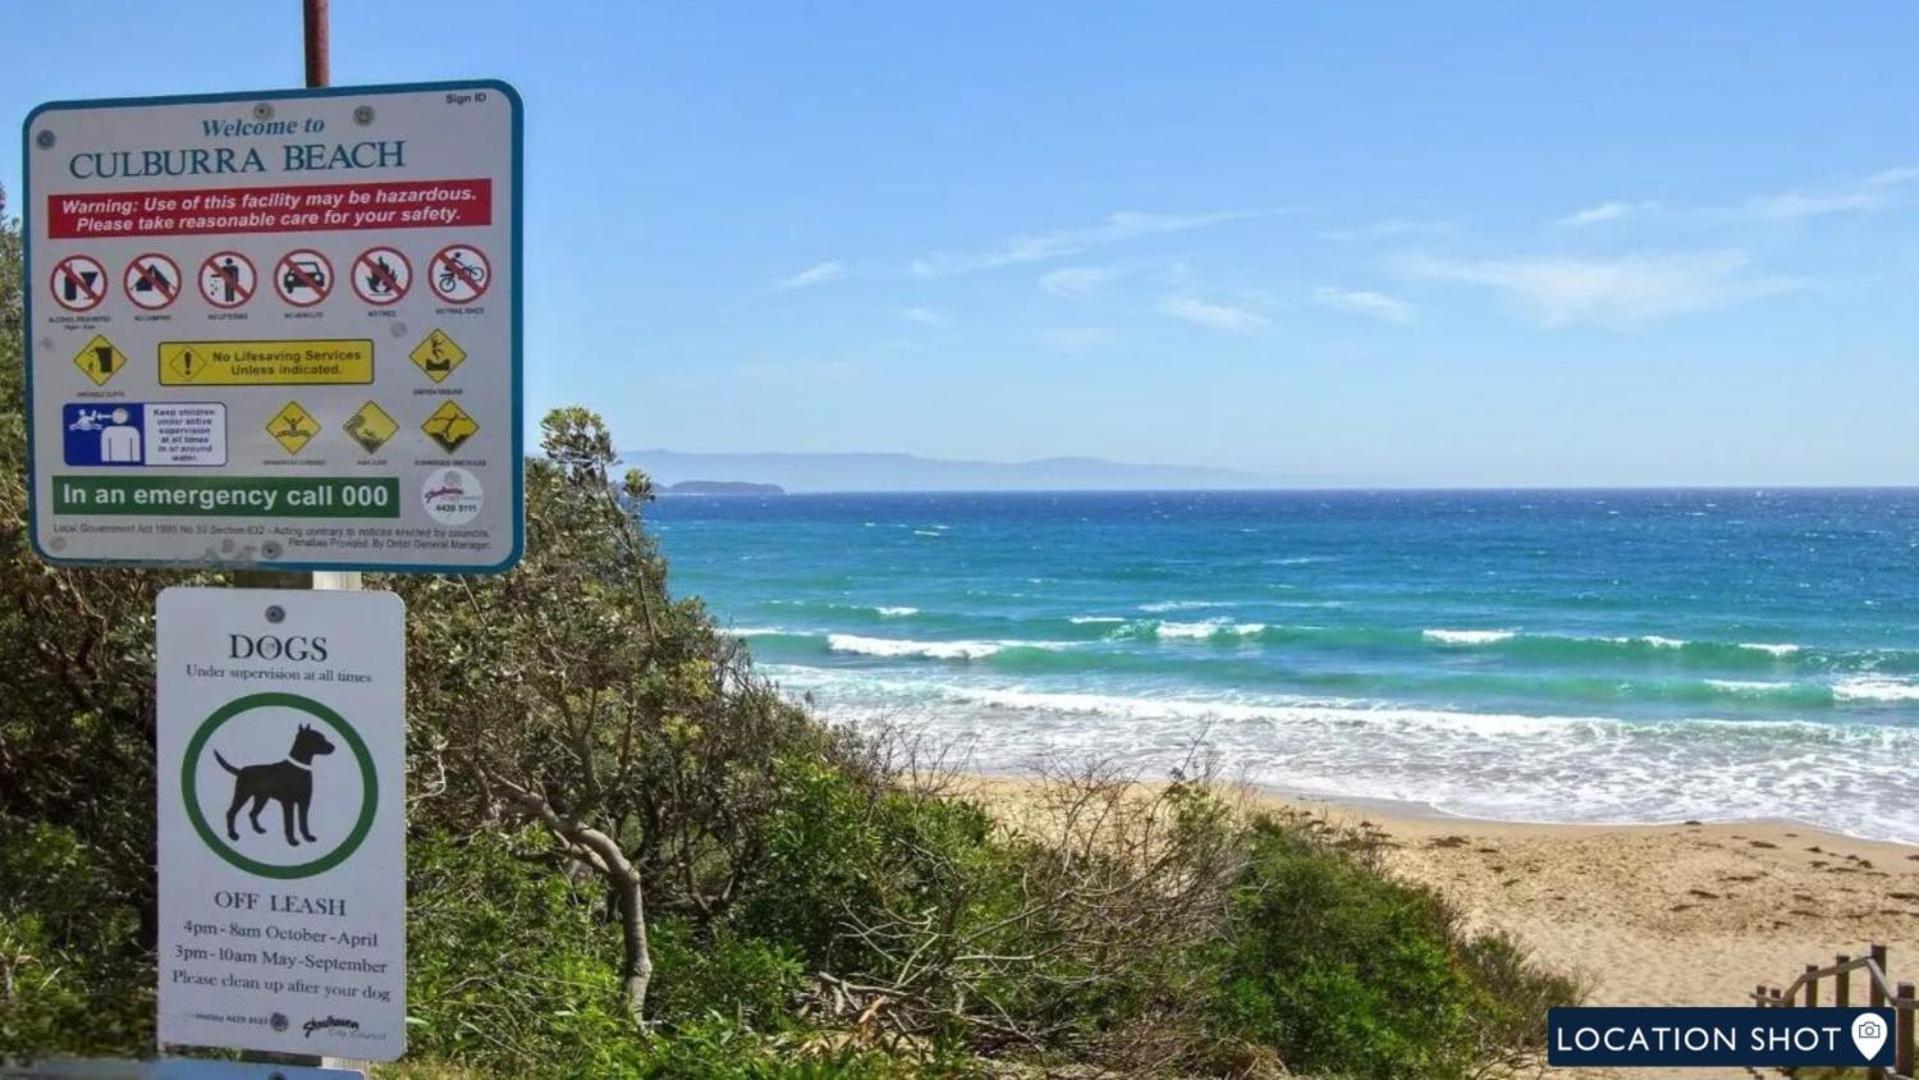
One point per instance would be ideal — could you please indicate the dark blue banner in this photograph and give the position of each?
(1719, 1036)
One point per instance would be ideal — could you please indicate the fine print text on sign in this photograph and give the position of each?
(282, 804)
(277, 329)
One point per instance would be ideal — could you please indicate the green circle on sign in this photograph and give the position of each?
(189, 788)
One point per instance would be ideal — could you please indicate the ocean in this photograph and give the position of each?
(1589, 656)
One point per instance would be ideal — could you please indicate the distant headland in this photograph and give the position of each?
(721, 487)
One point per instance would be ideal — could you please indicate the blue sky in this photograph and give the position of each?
(1363, 244)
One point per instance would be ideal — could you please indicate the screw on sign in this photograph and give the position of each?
(303, 277)
(459, 274)
(79, 283)
(228, 279)
(381, 276)
(152, 281)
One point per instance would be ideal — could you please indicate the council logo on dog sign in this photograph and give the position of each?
(282, 803)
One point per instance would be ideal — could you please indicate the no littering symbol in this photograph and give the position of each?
(228, 279)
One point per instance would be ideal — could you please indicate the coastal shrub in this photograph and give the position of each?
(1343, 970)
(72, 970)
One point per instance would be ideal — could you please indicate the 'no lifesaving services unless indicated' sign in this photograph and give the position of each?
(278, 329)
(282, 807)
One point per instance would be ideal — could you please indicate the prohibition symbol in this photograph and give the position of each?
(459, 274)
(381, 276)
(228, 279)
(152, 281)
(79, 283)
(303, 277)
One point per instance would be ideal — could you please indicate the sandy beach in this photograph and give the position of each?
(1650, 914)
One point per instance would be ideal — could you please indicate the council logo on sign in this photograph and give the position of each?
(452, 496)
(279, 785)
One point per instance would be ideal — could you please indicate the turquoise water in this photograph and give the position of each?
(1547, 656)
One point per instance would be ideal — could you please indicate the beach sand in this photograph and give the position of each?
(1651, 914)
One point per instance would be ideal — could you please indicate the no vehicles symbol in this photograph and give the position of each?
(152, 281)
(79, 283)
(303, 277)
(228, 279)
(381, 276)
(459, 274)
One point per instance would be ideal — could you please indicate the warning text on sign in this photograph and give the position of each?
(397, 204)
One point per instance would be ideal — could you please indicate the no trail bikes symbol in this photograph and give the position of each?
(228, 279)
(79, 283)
(382, 276)
(152, 281)
(459, 274)
(303, 277)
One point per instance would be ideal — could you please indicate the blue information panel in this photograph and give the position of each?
(185, 434)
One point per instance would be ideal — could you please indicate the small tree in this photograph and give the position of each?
(574, 693)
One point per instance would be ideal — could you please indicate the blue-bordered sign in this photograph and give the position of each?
(158, 403)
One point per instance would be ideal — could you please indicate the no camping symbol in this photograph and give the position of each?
(152, 281)
(382, 276)
(228, 279)
(303, 277)
(459, 274)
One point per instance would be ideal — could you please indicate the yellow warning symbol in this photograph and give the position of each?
(293, 427)
(181, 364)
(437, 355)
(371, 427)
(450, 426)
(99, 360)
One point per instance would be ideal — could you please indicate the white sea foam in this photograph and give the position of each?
(931, 650)
(1776, 650)
(1084, 620)
(1869, 689)
(1855, 778)
(1202, 630)
(896, 612)
(1159, 606)
(1467, 637)
(756, 631)
(1748, 686)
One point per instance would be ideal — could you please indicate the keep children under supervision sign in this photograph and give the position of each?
(277, 329)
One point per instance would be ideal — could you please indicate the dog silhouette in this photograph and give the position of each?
(289, 780)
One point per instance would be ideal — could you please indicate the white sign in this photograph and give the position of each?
(328, 281)
(282, 805)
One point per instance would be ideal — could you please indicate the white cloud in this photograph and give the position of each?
(1904, 174)
(925, 317)
(1363, 302)
(1611, 210)
(1862, 197)
(1077, 338)
(1391, 227)
(820, 274)
(1213, 316)
(1076, 282)
(1037, 247)
(1633, 289)
(1794, 205)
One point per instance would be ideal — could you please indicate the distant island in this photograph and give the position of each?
(707, 473)
(721, 487)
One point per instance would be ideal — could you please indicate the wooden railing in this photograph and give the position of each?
(1880, 993)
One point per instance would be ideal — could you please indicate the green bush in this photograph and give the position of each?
(1344, 971)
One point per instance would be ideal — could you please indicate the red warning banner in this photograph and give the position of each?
(402, 204)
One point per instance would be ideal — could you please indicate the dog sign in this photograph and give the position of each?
(282, 803)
